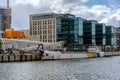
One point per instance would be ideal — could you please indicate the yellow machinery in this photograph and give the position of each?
(10, 33)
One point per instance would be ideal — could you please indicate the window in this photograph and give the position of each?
(45, 22)
(53, 26)
(50, 26)
(54, 21)
(50, 21)
(35, 32)
(53, 31)
(54, 36)
(30, 32)
(40, 32)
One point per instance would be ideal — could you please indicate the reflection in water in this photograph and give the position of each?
(80, 69)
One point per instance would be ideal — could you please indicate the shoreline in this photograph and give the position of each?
(55, 56)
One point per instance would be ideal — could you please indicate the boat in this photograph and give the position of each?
(95, 50)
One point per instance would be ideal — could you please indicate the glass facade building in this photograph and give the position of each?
(110, 31)
(100, 34)
(76, 32)
(65, 30)
(3, 21)
(89, 32)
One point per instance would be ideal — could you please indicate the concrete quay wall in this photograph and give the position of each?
(33, 57)
(107, 54)
(88, 55)
(18, 57)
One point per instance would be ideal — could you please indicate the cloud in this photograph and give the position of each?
(21, 12)
(3, 3)
(73, 1)
(95, 12)
(66, 6)
(21, 9)
(112, 18)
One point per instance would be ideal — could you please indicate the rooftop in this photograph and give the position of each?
(51, 15)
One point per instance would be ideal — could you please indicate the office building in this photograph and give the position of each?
(117, 36)
(100, 34)
(3, 21)
(43, 27)
(110, 35)
(65, 30)
(51, 27)
(77, 33)
(89, 32)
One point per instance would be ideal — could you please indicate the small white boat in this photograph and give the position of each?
(96, 50)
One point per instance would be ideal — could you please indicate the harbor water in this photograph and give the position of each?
(107, 68)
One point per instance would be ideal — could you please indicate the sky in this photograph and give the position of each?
(103, 11)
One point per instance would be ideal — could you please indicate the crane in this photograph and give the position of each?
(8, 15)
(9, 32)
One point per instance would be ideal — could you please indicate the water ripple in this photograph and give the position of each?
(78, 69)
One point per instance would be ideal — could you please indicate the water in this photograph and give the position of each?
(80, 69)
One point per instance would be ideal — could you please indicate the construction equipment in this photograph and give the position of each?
(21, 46)
(8, 14)
(11, 33)
(24, 44)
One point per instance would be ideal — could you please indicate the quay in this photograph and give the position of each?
(51, 56)
(25, 50)
(19, 57)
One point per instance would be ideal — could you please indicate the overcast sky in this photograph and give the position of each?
(104, 11)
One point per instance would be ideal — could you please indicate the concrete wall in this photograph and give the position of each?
(51, 56)
(112, 54)
(18, 57)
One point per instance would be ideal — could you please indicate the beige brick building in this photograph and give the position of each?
(42, 28)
